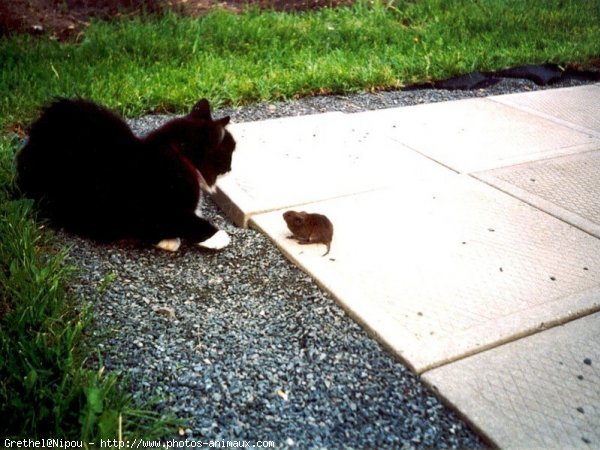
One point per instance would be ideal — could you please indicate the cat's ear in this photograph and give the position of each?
(201, 110)
(224, 121)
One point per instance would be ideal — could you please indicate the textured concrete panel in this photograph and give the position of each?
(567, 187)
(296, 160)
(446, 266)
(577, 107)
(538, 392)
(475, 134)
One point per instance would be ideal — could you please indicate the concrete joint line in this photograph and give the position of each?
(568, 124)
(541, 204)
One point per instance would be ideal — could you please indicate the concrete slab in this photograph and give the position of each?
(290, 161)
(567, 187)
(576, 107)
(475, 134)
(537, 392)
(447, 266)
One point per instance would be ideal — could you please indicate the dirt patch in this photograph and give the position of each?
(64, 19)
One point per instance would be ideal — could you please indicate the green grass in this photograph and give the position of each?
(166, 63)
(46, 388)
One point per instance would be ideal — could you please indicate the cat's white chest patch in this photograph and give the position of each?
(204, 185)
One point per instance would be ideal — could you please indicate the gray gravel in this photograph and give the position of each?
(245, 345)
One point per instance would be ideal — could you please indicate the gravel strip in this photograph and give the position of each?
(245, 345)
(369, 101)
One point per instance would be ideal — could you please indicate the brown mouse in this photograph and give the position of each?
(309, 228)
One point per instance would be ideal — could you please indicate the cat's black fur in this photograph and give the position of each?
(91, 175)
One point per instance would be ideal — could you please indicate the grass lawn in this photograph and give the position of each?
(46, 390)
(167, 63)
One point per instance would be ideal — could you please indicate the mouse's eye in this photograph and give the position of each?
(298, 220)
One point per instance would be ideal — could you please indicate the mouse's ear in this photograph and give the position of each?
(201, 110)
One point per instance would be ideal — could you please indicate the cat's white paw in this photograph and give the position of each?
(170, 245)
(217, 241)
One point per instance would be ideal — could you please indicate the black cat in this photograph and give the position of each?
(91, 175)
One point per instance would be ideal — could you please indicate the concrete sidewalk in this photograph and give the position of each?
(467, 240)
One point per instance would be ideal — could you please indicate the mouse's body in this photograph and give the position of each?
(309, 228)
